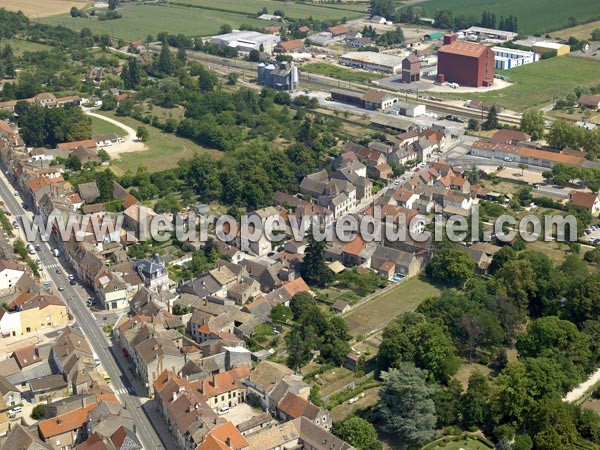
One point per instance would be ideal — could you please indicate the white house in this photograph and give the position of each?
(10, 274)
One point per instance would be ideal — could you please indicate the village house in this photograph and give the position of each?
(586, 200)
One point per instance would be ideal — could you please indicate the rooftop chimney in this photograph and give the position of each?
(449, 39)
(228, 442)
(214, 380)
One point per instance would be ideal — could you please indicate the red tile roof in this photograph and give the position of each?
(583, 199)
(298, 285)
(355, 246)
(463, 48)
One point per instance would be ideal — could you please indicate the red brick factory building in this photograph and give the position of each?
(465, 63)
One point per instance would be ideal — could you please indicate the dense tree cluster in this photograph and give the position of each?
(41, 126)
(315, 331)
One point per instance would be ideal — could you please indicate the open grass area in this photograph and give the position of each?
(376, 313)
(100, 126)
(464, 443)
(580, 31)
(345, 410)
(324, 11)
(341, 73)
(20, 46)
(537, 84)
(34, 8)
(533, 15)
(164, 150)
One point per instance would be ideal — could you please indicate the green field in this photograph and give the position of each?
(164, 150)
(19, 46)
(141, 20)
(340, 73)
(536, 84)
(376, 313)
(292, 10)
(100, 126)
(533, 15)
(461, 443)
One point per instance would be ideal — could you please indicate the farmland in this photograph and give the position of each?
(197, 17)
(34, 9)
(533, 15)
(536, 85)
(580, 31)
(376, 313)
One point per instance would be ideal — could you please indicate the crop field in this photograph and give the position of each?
(140, 21)
(36, 8)
(197, 17)
(580, 31)
(535, 85)
(533, 15)
(293, 10)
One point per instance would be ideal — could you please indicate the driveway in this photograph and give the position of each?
(131, 144)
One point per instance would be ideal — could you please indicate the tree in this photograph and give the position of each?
(254, 55)
(142, 133)
(75, 12)
(112, 4)
(450, 265)
(522, 442)
(523, 166)
(491, 122)
(165, 64)
(358, 433)
(593, 256)
(225, 29)
(314, 270)
(552, 426)
(383, 8)
(533, 123)
(407, 408)
(232, 78)
(474, 402)
(38, 411)
(596, 34)
(503, 444)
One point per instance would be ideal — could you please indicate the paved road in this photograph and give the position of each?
(149, 427)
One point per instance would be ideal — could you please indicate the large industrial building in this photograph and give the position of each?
(377, 62)
(550, 47)
(246, 41)
(465, 63)
(282, 78)
(490, 33)
(507, 58)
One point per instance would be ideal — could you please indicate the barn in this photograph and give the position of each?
(465, 63)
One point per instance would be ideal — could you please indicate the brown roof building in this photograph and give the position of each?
(289, 46)
(465, 63)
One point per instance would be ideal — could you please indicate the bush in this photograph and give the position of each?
(38, 412)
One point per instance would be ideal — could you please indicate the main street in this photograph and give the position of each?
(150, 428)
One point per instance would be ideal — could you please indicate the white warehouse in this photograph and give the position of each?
(373, 61)
(246, 41)
(507, 58)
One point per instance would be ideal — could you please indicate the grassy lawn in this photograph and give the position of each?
(464, 443)
(346, 409)
(533, 15)
(536, 84)
(20, 46)
(100, 126)
(376, 313)
(340, 73)
(165, 150)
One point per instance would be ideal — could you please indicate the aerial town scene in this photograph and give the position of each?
(299, 224)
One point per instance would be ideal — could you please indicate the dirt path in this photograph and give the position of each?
(579, 391)
(131, 144)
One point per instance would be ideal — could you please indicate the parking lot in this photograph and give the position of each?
(592, 234)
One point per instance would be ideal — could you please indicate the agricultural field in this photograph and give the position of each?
(139, 21)
(202, 18)
(376, 313)
(537, 84)
(580, 32)
(164, 150)
(327, 11)
(340, 73)
(533, 15)
(34, 8)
